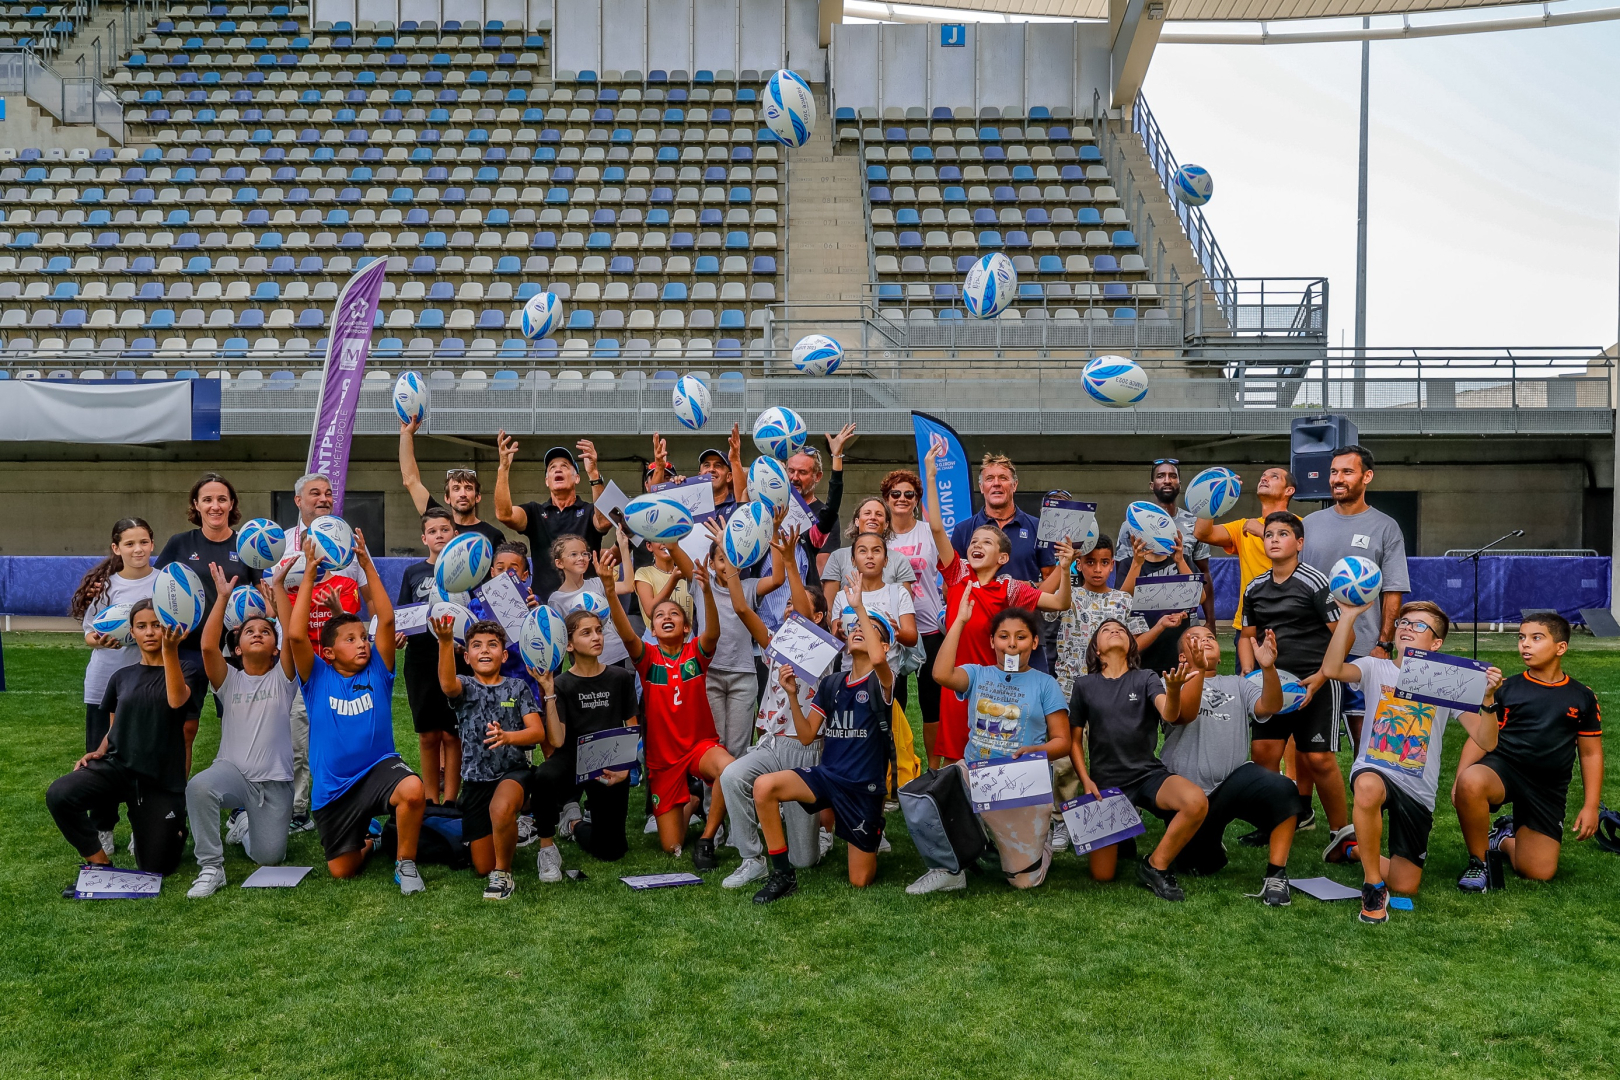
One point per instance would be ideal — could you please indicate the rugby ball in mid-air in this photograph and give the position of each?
(991, 285)
(768, 482)
(542, 314)
(410, 398)
(335, 541)
(1293, 691)
(788, 108)
(244, 603)
(596, 605)
(1153, 526)
(1192, 185)
(748, 534)
(658, 518)
(543, 641)
(260, 543)
(779, 432)
(691, 401)
(463, 619)
(464, 562)
(113, 623)
(295, 574)
(817, 354)
(1115, 381)
(1213, 492)
(1354, 580)
(178, 597)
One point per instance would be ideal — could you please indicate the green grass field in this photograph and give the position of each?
(591, 980)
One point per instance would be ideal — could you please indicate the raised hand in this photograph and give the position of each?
(507, 447)
(1065, 553)
(443, 628)
(605, 562)
(1265, 650)
(587, 456)
(413, 427)
(845, 436)
(788, 680)
(221, 586)
(1176, 679)
(964, 609)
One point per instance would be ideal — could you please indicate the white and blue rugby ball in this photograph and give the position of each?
(748, 534)
(1354, 580)
(295, 574)
(244, 603)
(596, 605)
(543, 641)
(178, 597)
(1156, 528)
(445, 596)
(779, 432)
(817, 354)
(334, 539)
(542, 314)
(658, 518)
(691, 401)
(789, 108)
(1293, 691)
(114, 623)
(260, 543)
(464, 562)
(1213, 492)
(990, 286)
(1192, 185)
(1115, 381)
(410, 398)
(463, 619)
(768, 483)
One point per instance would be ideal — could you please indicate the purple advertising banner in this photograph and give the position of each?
(346, 353)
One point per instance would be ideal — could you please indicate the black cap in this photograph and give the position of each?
(560, 452)
(724, 460)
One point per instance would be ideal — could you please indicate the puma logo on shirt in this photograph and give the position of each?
(357, 707)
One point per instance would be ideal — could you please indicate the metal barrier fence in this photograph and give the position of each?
(74, 99)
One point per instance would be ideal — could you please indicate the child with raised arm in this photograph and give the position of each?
(1397, 765)
(1013, 710)
(573, 559)
(253, 768)
(850, 711)
(348, 689)
(438, 748)
(680, 739)
(499, 720)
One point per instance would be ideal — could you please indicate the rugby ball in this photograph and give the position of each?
(1115, 381)
(1192, 185)
(444, 596)
(1354, 580)
(464, 562)
(335, 541)
(244, 603)
(748, 534)
(295, 574)
(1156, 528)
(1293, 690)
(260, 543)
(789, 108)
(178, 597)
(463, 619)
(589, 601)
(779, 432)
(691, 401)
(990, 286)
(543, 641)
(1087, 541)
(541, 315)
(410, 398)
(768, 483)
(1213, 492)
(817, 354)
(114, 623)
(657, 518)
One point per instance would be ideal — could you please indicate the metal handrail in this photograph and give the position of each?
(1163, 160)
(1544, 553)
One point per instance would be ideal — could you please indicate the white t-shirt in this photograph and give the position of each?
(735, 649)
(916, 546)
(613, 649)
(103, 662)
(775, 718)
(839, 565)
(893, 600)
(256, 723)
(1400, 738)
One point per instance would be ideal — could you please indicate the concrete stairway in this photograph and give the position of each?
(827, 243)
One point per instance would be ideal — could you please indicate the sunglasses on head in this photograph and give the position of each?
(1166, 461)
(460, 474)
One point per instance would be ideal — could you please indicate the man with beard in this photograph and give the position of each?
(563, 514)
(804, 473)
(1165, 487)
(462, 491)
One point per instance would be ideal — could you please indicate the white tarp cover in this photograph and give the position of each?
(48, 411)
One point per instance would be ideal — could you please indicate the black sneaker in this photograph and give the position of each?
(1474, 879)
(1258, 838)
(1274, 890)
(1162, 882)
(1501, 829)
(1374, 904)
(1305, 823)
(299, 823)
(703, 857)
(781, 884)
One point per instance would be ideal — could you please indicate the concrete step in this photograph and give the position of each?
(827, 241)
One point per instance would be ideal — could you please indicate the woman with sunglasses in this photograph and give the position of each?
(913, 542)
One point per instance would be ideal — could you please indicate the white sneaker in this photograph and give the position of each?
(209, 882)
(568, 819)
(1060, 835)
(236, 828)
(652, 825)
(750, 870)
(549, 863)
(408, 878)
(527, 833)
(883, 844)
(937, 880)
(108, 845)
(825, 842)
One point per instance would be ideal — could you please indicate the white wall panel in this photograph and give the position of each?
(904, 60)
(804, 51)
(855, 66)
(669, 38)
(375, 10)
(509, 12)
(951, 78)
(419, 11)
(715, 42)
(762, 47)
(577, 44)
(1001, 64)
(624, 35)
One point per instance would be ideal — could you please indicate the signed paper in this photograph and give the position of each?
(1006, 783)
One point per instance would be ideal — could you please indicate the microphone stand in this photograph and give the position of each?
(1475, 555)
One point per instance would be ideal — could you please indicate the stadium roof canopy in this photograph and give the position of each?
(1220, 10)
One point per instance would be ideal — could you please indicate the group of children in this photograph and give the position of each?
(819, 759)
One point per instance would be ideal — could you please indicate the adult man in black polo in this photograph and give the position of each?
(563, 514)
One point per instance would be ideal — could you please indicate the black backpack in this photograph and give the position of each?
(939, 815)
(440, 843)
(1608, 833)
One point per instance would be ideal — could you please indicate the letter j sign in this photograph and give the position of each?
(952, 35)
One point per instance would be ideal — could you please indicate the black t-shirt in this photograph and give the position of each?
(547, 521)
(1122, 723)
(1299, 611)
(585, 705)
(1539, 723)
(197, 551)
(147, 736)
(421, 650)
(490, 532)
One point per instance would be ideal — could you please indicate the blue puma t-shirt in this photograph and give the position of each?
(351, 725)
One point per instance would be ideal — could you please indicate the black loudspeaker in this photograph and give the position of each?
(1313, 441)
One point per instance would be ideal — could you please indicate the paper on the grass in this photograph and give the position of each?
(1168, 592)
(1006, 783)
(115, 883)
(1324, 888)
(503, 595)
(613, 748)
(1097, 823)
(275, 877)
(1452, 682)
(803, 646)
(411, 619)
(1064, 519)
(660, 881)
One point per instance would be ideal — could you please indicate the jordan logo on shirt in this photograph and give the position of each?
(359, 705)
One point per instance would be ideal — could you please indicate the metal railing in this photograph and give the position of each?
(72, 99)
(1290, 309)
(1540, 553)
(1205, 246)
